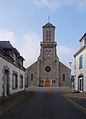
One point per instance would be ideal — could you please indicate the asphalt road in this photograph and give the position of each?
(43, 105)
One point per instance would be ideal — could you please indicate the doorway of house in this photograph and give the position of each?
(47, 83)
(6, 83)
(80, 83)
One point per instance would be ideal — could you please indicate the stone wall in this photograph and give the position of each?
(32, 70)
(64, 70)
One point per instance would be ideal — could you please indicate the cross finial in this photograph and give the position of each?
(48, 19)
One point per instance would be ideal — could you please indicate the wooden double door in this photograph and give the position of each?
(47, 83)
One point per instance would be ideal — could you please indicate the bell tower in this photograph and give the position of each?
(48, 62)
(48, 33)
(48, 45)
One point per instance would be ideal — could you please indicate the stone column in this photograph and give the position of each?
(38, 73)
(58, 80)
(41, 52)
(54, 53)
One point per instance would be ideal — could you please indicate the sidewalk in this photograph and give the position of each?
(8, 102)
(78, 100)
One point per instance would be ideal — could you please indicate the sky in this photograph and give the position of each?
(21, 23)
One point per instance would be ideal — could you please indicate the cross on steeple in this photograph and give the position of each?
(48, 19)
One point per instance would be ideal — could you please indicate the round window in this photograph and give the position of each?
(47, 68)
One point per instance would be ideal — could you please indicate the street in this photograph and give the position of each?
(43, 105)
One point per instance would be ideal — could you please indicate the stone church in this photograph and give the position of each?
(48, 71)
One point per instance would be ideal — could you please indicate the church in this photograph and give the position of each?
(48, 71)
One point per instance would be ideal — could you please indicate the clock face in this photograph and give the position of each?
(47, 68)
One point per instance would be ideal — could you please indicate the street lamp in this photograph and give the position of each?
(70, 64)
(71, 76)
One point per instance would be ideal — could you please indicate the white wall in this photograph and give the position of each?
(12, 68)
(80, 71)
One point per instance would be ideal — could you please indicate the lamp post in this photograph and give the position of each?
(70, 64)
(71, 77)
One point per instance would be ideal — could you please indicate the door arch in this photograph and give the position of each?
(81, 83)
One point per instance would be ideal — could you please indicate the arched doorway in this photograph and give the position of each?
(80, 83)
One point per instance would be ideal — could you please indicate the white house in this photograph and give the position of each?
(80, 66)
(12, 72)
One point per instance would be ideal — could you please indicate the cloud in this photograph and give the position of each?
(65, 55)
(6, 35)
(29, 47)
(52, 4)
(65, 51)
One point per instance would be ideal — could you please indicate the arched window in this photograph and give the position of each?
(31, 76)
(49, 33)
(46, 33)
(63, 77)
(80, 82)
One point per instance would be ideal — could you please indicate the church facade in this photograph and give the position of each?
(48, 71)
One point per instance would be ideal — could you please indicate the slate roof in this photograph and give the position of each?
(21, 57)
(16, 51)
(5, 45)
(82, 37)
(48, 25)
(84, 47)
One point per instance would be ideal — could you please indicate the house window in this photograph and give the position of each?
(31, 76)
(15, 81)
(80, 62)
(15, 58)
(21, 81)
(63, 77)
(85, 41)
(21, 62)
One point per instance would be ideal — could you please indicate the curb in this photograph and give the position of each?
(76, 105)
